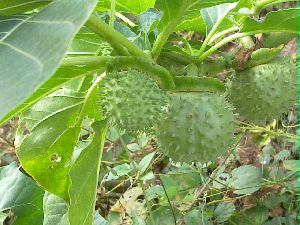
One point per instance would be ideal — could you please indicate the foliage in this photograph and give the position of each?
(151, 92)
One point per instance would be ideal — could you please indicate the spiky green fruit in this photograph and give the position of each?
(264, 92)
(131, 100)
(197, 127)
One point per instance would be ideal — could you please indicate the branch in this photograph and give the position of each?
(113, 37)
(158, 73)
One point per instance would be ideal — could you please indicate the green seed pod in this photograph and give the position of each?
(197, 127)
(264, 92)
(131, 100)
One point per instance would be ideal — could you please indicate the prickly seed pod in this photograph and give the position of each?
(197, 127)
(264, 92)
(131, 100)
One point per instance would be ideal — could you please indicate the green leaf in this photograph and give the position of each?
(2, 217)
(193, 20)
(147, 19)
(200, 4)
(118, 171)
(45, 145)
(246, 179)
(163, 216)
(132, 6)
(224, 211)
(254, 216)
(216, 14)
(21, 194)
(99, 220)
(285, 20)
(292, 165)
(145, 162)
(196, 217)
(263, 55)
(60, 78)
(84, 175)
(28, 61)
(18, 6)
(55, 210)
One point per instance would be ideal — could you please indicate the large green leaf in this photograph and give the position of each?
(133, 6)
(61, 77)
(216, 14)
(196, 5)
(84, 175)
(191, 20)
(27, 60)
(279, 21)
(21, 194)
(55, 210)
(17, 6)
(47, 137)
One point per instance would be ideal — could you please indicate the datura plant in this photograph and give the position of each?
(72, 70)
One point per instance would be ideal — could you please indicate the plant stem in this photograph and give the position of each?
(158, 73)
(274, 133)
(112, 16)
(222, 33)
(116, 39)
(179, 57)
(87, 98)
(167, 31)
(125, 19)
(258, 6)
(168, 199)
(221, 43)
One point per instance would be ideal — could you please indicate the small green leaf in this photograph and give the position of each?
(246, 179)
(145, 162)
(224, 211)
(147, 19)
(55, 210)
(163, 216)
(20, 194)
(284, 154)
(17, 6)
(99, 220)
(285, 20)
(84, 175)
(195, 217)
(118, 171)
(27, 60)
(292, 165)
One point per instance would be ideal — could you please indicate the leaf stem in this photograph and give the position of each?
(158, 73)
(87, 98)
(221, 43)
(113, 37)
(222, 33)
(258, 6)
(112, 15)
